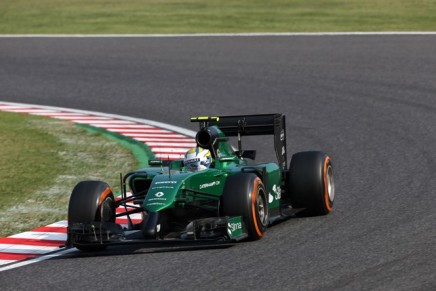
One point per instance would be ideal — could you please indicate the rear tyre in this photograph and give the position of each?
(310, 183)
(91, 201)
(244, 195)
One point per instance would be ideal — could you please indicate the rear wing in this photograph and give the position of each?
(245, 125)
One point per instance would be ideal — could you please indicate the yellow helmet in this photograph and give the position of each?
(197, 159)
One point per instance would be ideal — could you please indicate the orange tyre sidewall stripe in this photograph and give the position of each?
(103, 195)
(328, 204)
(253, 206)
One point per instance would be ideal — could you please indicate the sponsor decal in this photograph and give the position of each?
(191, 161)
(235, 227)
(283, 150)
(277, 193)
(282, 135)
(163, 187)
(157, 199)
(207, 185)
(155, 203)
(276, 189)
(166, 182)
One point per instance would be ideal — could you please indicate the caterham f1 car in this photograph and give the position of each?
(234, 199)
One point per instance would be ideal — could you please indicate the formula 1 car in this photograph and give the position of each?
(235, 199)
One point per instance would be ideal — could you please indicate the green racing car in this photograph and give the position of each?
(215, 194)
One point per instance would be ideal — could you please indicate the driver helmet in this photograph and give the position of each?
(197, 159)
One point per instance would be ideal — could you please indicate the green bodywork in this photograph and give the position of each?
(233, 200)
(175, 186)
(225, 201)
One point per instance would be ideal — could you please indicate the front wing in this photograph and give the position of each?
(207, 230)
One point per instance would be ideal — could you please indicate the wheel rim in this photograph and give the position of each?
(107, 214)
(262, 211)
(330, 183)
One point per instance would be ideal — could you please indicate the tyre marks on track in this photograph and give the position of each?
(165, 143)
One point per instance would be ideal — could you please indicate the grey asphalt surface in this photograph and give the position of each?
(368, 101)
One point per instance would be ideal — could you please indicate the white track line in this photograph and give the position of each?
(254, 34)
(37, 259)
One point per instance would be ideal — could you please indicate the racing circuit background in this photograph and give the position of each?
(367, 100)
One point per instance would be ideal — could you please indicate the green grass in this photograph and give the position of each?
(202, 16)
(42, 160)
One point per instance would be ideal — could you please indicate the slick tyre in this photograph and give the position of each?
(91, 201)
(311, 184)
(244, 195)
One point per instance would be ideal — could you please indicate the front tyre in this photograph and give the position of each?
(244, 195)
(91, 201)
(310, 182)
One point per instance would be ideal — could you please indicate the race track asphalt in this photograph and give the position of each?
(368, 101)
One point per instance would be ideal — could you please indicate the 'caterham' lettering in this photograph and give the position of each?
(207, 185)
